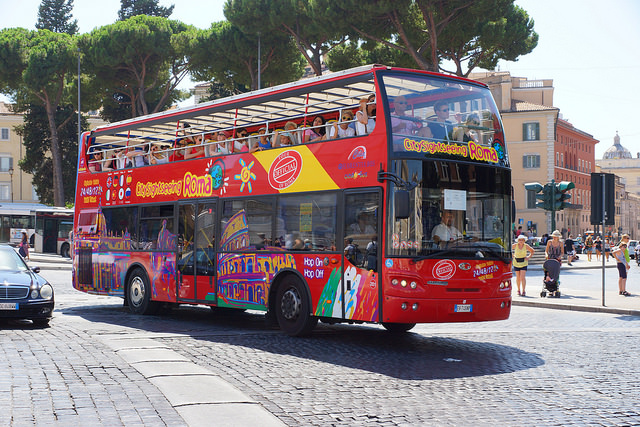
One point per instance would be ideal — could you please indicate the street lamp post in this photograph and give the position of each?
(11, 175)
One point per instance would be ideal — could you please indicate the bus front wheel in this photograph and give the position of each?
(139, 293)
(398, 327)
(293, 309)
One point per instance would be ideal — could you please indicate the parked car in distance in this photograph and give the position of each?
(24, 294)
(631, 247)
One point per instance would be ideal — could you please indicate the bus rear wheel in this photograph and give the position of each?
(398, 327)
(139, 293)
(293, 308)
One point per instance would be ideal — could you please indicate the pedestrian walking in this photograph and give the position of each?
(569, 249)
(521, 254)
(555, 249)
(623, 267)
(24, 245)
(607, 249)
(625, 239)
(588, 246)
(598, 245)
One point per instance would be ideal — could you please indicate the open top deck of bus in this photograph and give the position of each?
(271, 108)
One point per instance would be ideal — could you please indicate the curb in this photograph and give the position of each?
(584, 308)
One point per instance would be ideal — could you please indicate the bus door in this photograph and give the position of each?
(196, 266)
(50, 236)
(360, 281)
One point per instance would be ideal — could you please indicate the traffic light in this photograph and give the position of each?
(537, 188)
(560, 195)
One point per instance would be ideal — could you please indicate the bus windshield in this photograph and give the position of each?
(443, 118)
(456, 210)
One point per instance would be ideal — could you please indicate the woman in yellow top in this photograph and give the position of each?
(521, 254)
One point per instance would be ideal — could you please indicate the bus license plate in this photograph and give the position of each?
(8, 306)
(463, 308)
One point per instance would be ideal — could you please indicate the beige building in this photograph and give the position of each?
(542, 147)
(15, 185)
(620, 162)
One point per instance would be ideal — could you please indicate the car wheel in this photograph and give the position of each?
(139, 293)
(64, 250)
(293, 308)
(40, 323)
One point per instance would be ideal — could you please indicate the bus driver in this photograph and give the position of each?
(445, 231)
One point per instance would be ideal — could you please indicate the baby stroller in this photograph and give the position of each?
(550, 283)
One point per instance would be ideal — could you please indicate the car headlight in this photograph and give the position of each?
(46, 292)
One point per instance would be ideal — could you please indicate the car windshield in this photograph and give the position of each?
(10, 260)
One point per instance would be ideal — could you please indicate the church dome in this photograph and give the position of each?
(617, 151)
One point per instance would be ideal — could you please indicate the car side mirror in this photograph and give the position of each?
(35, 269)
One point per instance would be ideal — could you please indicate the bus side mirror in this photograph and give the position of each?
(401, 204)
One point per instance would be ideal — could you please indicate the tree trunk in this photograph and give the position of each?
(56, 156)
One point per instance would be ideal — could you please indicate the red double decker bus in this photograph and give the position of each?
(376, 195)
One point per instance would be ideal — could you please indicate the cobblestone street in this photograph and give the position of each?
(540, 367)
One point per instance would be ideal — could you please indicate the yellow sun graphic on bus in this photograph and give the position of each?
(246, 176)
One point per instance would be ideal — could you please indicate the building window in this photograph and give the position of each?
(4, 134)
(5, 191)
(531, 199)
(530, 161)
(531, 131)
(6, 163)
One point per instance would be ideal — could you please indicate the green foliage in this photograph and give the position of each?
(227, 55)
(351, 55)
(470, 33)
(55, 15)
(38, 69)
(129, 8)
(493, 30)
(37, 141)
(138, 63)
(313, 31)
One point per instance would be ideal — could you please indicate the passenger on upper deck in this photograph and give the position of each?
(342, 130)
(287, 137)
(157, 155)
(441, 127)
(317, 131)
(197, 150)
(366, 115)
(130, 157)
(241, 145)
(95, 162)
(178, 152)
(464, 132)
(225, 145)
(263, 141)
(399, 122)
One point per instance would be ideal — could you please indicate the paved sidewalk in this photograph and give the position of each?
(48, 261)
(580, 294)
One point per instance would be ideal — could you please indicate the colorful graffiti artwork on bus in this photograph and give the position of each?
(360, 301)
(246, 176)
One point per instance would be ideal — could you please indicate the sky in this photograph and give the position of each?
(589, 48)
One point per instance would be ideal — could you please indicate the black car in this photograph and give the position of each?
(24, 294)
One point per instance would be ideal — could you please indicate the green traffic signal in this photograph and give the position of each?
(560, 196)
